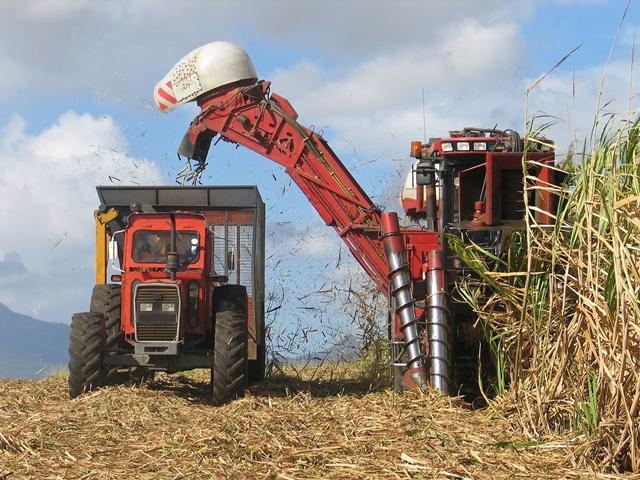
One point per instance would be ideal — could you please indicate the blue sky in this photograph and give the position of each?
(76, 80)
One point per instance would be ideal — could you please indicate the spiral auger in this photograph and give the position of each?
(400, 280)
(438, 326)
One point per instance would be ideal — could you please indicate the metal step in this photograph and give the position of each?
(396, 351)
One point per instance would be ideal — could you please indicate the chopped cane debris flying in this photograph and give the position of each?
(191, 173)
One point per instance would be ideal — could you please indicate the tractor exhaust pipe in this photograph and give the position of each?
(172, 255)
(415, 375)
(438, 326)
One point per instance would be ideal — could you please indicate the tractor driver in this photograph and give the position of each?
(150, 247)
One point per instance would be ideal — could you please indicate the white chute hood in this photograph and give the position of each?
(206, 68)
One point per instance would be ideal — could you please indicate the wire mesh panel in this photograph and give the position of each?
(233, 247)
(236, 254)
(244, 257)
(219, 246)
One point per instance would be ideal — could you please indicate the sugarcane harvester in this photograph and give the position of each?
(469, 183)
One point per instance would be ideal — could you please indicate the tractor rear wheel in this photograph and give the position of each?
(86, 350)
(229, 372)
(229, 357)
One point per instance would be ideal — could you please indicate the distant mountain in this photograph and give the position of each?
(30, 348)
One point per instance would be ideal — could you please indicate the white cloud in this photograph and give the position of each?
(629, 35)
(352, 30)
(385, 82)
(46, 204)
(118, 49)
(376, 106)
(54, 8)
(575, 115)
(13, 74)
(310, 241)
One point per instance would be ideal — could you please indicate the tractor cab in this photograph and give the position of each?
(164, 279)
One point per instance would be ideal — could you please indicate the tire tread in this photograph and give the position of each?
(229, 356)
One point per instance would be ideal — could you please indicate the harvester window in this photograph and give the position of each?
(151, 246)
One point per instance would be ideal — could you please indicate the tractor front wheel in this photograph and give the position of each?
(106, 299)
(86, 349)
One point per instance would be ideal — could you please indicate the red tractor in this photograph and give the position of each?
(468, 184)
(189, 291)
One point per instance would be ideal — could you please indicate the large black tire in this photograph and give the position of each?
(86, 350)
(229, 372)
(106, 299)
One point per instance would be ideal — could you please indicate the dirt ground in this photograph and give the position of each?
(327, 425)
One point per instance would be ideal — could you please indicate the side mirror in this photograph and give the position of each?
(426, 172)
(113, 250)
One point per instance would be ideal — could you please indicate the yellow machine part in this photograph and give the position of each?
(102, 243)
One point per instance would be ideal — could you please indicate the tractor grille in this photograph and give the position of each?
(154, 321)
(156, 332)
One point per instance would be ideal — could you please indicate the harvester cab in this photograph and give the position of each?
(473, 178)
(188, 292)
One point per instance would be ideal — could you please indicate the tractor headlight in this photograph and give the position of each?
(168, 307)
(446, 147)
(146, 307)
(480, 146)
(462, 146)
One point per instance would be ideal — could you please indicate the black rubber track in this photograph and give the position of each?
(229, 372)
(85, 353)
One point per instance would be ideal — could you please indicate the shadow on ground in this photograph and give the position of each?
(195, 387)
